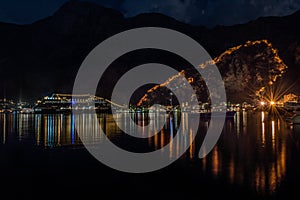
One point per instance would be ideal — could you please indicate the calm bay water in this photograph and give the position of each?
(257, 155)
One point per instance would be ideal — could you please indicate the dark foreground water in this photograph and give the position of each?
(41, 156)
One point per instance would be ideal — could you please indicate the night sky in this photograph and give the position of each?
(196, 12)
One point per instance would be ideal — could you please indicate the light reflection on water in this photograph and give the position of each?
(254, 149)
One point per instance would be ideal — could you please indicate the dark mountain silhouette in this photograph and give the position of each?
(44, 57)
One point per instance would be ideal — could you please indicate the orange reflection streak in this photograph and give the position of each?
(231, 170)
(20, 125)
(260, 179)
(192, 145)
(263, 135)
(59, 126)
(171, 147)
(162, 139)
(156, 141)
(177, 147)
(238, 118)
(45, 130)
(69, 127)
(273, 136)
(245, 120)
(204, 162)
(273, 178)
(38, 125)
(281, 164)
(4, 129)
(215, 161)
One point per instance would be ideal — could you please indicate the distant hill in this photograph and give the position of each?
(44, 57)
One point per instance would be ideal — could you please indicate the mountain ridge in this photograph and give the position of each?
(44, 56)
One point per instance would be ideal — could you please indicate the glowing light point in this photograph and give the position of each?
(262, 103)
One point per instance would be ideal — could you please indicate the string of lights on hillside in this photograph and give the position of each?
(281, 66)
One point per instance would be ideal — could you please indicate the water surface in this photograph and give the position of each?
(257, 155)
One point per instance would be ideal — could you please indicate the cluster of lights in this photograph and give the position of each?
(272, 103)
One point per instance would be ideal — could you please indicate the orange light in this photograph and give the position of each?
(272, 103)
(262, 103)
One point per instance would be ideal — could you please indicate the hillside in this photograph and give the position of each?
(43, 57)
